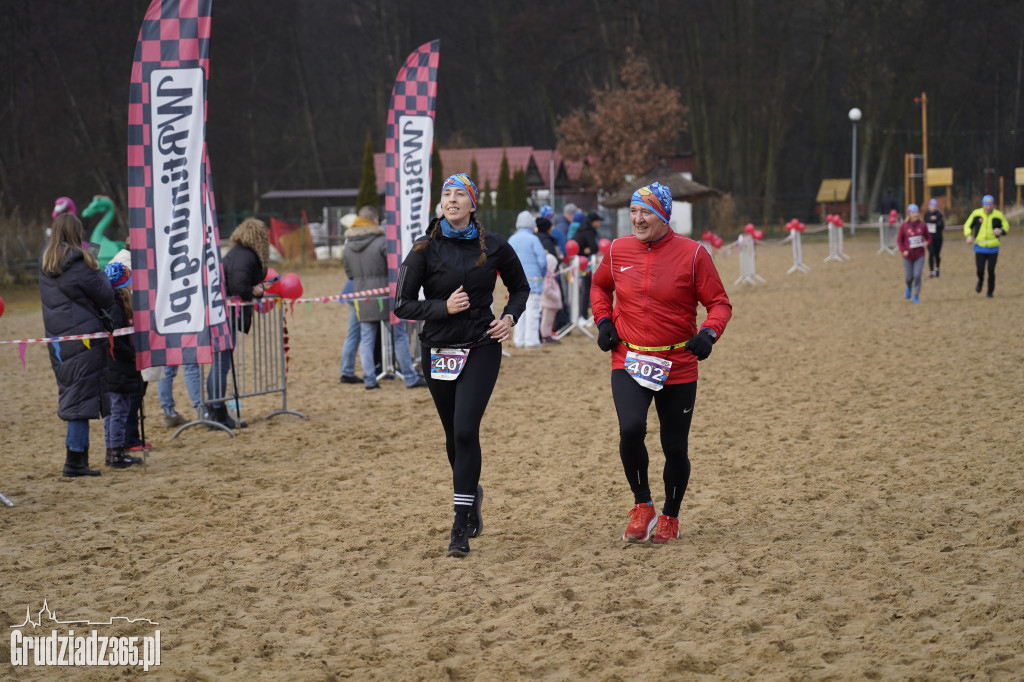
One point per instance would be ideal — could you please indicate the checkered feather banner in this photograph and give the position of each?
(409, 142)
(178, 293)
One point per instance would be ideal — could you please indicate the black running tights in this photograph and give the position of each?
(460, 405)
(935, 252)
(675, 410)
(981, 260)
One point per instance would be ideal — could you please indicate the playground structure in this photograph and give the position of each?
(108, 248)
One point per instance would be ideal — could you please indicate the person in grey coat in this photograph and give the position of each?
(366, 264)
(76, 295)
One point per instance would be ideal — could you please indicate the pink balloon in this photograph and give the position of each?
(604, 245)
(800, 227)
(708, 234)
(290, 286)
(758, 235)
(716, 241)
(749, 228)
(572, 248)
(584, 262)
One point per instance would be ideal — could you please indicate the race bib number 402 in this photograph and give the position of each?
(647, 370)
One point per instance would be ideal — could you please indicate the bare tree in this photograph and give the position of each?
(623, 132)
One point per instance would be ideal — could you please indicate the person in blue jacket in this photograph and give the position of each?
(531, 254)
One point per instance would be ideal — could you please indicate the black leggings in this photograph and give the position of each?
(461, 404)
(934, 251)
(675, 410)
(981, 260)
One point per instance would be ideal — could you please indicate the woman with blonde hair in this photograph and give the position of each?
(77, 298)
(245, 268)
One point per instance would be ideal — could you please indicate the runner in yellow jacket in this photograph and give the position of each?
(983, 228)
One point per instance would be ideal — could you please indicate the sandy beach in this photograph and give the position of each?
(854, 510)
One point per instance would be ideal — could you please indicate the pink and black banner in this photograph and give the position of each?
(409, 141)
(178, 295)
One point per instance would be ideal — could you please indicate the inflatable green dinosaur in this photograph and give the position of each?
(108, 247)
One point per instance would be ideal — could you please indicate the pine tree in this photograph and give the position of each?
(519, 190)
(368, 181)
(474, 171)
(505, 201)
(486, 204)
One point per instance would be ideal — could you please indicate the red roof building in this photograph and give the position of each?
(536, 162)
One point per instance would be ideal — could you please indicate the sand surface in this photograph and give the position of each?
(854, 511)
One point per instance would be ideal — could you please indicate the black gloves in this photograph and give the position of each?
(607, 337)
(700, 345)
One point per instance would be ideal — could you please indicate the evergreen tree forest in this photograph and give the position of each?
(295, 85)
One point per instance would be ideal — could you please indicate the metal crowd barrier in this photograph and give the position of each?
(259, 362)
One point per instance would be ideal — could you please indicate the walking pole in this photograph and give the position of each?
(142, 422)
(234, 383)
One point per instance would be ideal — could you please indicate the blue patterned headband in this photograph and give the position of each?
(462, 181)
(655, 197)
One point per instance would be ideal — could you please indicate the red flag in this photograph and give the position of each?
(409, 141)
(177, 292)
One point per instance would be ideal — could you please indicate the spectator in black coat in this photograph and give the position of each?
(546, 240)
(586, 237)
(245, 268)
(75, 294)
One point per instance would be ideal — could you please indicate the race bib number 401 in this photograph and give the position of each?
(446, 363)
(647, 370)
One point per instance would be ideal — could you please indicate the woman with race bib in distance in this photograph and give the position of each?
(457, 264)
(656, 278)
(913, 239)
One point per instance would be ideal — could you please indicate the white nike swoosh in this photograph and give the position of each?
(624, 268)
(688, 411)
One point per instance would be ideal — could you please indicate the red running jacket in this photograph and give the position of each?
(656, 288)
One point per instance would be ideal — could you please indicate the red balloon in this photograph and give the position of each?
(708, 234)
(290, 286)
(584, 262)
(716, 241)
(274, 287)
(1, 307)
(758, 235)
(800, 227)
(604, 245)
(572, 248)
(749, 228)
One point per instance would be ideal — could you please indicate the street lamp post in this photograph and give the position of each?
(854, 116)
